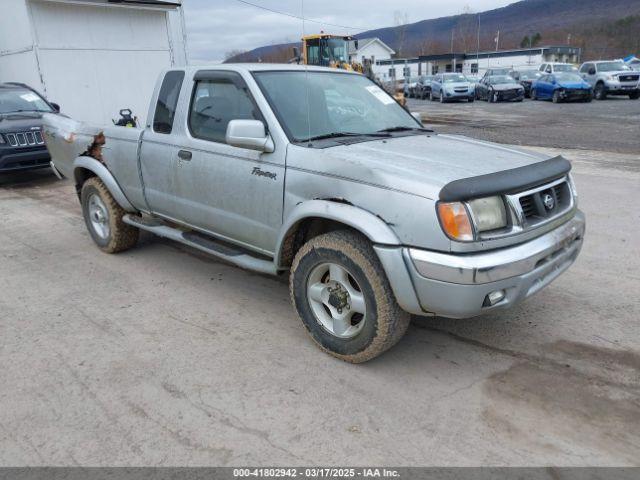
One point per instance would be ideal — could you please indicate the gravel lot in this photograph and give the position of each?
(611, 126)
(161, 356)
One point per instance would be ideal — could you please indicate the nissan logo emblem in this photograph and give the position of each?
(548, 201)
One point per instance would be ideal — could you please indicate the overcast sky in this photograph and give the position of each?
(215, 27)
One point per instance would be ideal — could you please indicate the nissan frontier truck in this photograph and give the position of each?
(320, 174)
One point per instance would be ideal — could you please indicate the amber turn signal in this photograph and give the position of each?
(455, 221)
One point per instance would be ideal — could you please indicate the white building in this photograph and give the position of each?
(369, 49)
(475, 63)
(93, 57)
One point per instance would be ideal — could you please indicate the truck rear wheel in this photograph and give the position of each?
(103, 217)
(344, 299)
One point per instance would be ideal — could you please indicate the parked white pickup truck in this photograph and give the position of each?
(320, 173)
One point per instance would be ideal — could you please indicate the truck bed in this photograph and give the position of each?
(113, 146)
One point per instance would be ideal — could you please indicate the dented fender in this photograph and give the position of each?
(370, 225)
(93, 165)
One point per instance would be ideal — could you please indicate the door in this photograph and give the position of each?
(96, 58)
(542, 87)
(157, 160)
(233, 193)
(482, 88)
(588, 72)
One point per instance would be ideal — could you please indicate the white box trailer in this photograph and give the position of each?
(93, 57)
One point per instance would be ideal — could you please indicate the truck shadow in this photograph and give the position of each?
(28, 179)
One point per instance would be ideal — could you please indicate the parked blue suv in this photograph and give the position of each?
(561, 87)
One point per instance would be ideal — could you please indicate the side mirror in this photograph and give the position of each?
(55, 106)
(250, 134)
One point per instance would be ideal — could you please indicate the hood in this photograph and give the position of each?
(16, 122)
(506, 86)
(418, 164)
(457, 85)
(574, 85)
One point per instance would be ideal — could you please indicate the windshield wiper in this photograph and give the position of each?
(404, 129)
(345, 134)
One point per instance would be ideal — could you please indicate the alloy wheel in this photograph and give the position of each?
(336, 300)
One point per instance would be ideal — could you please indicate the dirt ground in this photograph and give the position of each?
(161, 356)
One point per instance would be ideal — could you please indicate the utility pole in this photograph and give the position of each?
(498, 40)
(478, 45)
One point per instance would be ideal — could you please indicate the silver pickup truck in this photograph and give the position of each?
(320, 173)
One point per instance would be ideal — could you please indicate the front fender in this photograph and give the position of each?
(370, 225)
(93, 165)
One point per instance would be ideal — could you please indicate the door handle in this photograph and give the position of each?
(185, 155)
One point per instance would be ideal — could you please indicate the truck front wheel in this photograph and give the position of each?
(103, 217)
(344, 299)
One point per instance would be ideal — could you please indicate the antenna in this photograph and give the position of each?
(306, 72)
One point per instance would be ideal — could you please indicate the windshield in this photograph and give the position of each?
(498, 80)
(568, 77)
(529, 74)
(454, 78)
(312, 104)
(564, 67)
(21, 100)
(612, 67)
(336, 49)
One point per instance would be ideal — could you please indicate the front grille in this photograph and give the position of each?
(24, 139)
(461, 90)
(508, 94)
(546, 203)
(629, 78)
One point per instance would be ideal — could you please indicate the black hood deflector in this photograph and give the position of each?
(505, 182)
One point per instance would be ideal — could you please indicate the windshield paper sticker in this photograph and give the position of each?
(29, 97)
(380, 94)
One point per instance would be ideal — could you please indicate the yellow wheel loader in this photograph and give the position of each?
(325, 50)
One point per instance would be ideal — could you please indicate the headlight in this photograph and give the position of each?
(459, 220)
(1, 139)
(488, 213)
(455, 221)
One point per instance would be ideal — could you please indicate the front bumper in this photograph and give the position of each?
(621, 88)
(462, 95)
(575, 94)
(510, 95)
(12, 160)
(457, 286)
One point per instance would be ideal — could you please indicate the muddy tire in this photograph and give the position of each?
(343, 297)
(103, 218)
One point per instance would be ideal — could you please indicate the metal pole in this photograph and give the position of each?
(478, 48)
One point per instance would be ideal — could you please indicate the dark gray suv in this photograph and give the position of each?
(21, 144)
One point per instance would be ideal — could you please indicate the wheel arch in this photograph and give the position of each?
(315, 217)
(87, 167)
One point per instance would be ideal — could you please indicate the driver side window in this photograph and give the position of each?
(217, 101)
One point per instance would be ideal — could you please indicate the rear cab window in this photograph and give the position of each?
(167, 102)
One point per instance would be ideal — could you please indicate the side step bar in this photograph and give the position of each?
(204, 244)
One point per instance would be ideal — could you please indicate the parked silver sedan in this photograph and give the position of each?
(447, 87)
